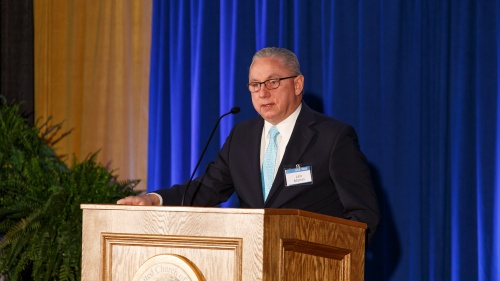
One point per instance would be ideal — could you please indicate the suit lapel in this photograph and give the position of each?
(254, 180)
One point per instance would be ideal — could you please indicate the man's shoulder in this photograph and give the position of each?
(247, 128)
(256, 121)
(321, 119)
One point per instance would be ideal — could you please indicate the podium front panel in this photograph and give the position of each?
(150, 243)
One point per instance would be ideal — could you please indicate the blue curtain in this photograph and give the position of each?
(417, 79)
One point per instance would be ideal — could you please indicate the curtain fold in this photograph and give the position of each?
(92, 72)
(417, 79)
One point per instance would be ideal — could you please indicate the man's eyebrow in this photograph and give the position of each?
(272, 76)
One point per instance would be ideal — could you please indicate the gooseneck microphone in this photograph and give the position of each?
(234, 110)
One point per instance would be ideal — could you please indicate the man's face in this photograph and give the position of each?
(277, 104)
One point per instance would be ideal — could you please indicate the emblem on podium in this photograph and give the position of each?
(168, 267)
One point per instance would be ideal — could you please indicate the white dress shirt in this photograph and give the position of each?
(285, 128)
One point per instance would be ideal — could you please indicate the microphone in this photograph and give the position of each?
(233, 110)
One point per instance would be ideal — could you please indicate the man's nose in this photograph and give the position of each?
(264, 92)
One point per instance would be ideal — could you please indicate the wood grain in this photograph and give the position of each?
(225, 244)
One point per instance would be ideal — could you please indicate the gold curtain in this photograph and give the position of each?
(92, 72)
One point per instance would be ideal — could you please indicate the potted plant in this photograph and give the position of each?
(40, 197)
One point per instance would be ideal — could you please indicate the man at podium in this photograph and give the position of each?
(289, 157)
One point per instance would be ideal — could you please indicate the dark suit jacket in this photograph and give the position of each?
(342, 185)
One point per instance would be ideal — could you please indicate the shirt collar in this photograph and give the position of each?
(285, 126)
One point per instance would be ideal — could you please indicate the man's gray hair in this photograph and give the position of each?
(285, 56)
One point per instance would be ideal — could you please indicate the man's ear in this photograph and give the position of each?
(299, 84)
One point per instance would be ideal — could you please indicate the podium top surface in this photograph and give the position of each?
(266, 212)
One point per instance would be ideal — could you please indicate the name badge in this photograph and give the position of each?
(298, 175)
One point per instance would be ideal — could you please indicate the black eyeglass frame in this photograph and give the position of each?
(266, 83)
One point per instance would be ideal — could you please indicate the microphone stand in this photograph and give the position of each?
(234, 110)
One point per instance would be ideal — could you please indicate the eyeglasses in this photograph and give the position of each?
(270, 84)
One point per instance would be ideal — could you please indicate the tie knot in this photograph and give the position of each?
(273, 132)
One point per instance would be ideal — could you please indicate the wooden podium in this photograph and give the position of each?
(145, 243)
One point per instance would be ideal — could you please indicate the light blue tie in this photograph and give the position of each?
(269, 162)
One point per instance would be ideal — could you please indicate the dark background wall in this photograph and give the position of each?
(17, 58)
